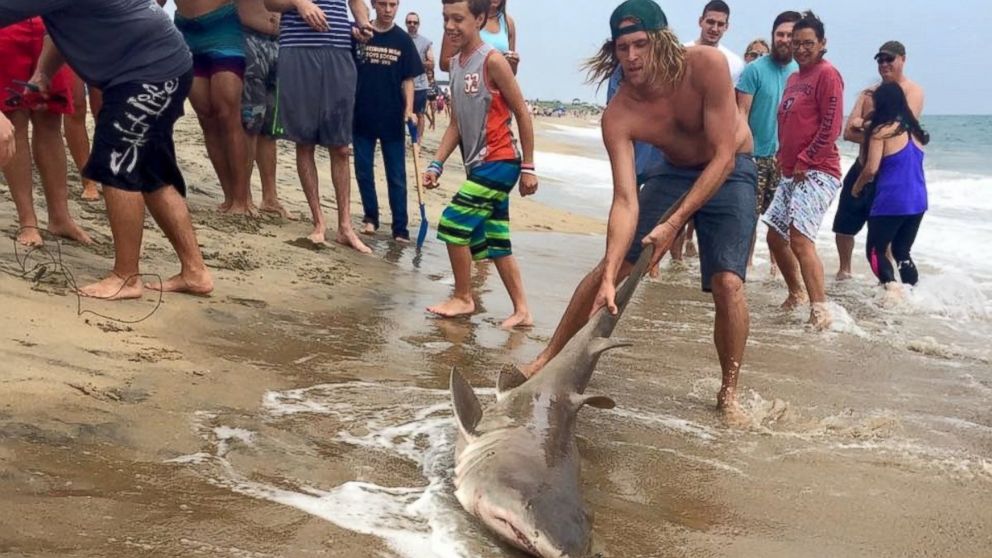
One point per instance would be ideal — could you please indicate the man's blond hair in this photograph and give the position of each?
(665, 65)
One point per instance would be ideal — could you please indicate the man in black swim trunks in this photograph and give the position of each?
(145, 71)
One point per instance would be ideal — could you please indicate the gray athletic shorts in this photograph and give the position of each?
(725, 225)
(317, 95)
(259, 106)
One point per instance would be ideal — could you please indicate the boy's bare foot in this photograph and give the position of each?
(30, 236)
(70, 230)
(518, 319)
(819, 316)
(114, 287)
(91, 191)
(347, 237)
(453, 307)
(277, 209)
(794, 300)
(200, 284)
(368, 228)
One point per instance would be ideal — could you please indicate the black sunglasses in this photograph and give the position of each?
(885, 59)
(411, 22)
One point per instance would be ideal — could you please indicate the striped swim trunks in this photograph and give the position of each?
(479, 214)
(216, 41)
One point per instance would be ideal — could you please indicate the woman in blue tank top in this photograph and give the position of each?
(894, 143)
(500, 31)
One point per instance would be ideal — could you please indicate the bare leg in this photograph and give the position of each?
(225, 99)
(126, 212)
(341, 177)
(213, 137)
(690, 246)
(812, 271)
(17, 174)
(461, 302)
(306, 168)
(509, 272)
(845, 251)
(169, 209)
(49, 155)
(77, 138)
(576, 315)
(787, 262)
(265, 157)
(730, 331)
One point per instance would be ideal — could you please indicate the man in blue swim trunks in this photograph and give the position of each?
(213, 33)
(681, 102)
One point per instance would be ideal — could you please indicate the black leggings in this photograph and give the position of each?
(899, 231)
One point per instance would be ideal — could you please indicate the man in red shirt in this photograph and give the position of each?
(809, 122)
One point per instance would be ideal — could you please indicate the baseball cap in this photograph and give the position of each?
(646, 13)
(892, 48)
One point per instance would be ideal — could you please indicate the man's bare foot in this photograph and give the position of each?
(690, 250)
(401, 239)
(247, 209)
(733, 413)
(200, 284)
(91, 191)
(368, 228)
(114, 287)
(654, 272)
(518, 319)
(318, 236)
(225, 206)
(819, 316)
(773, 271)
(70, 230)
(844, 275)
(350, 239)
(453, 307)
(30, 236)
(277, 209)
(794, 300)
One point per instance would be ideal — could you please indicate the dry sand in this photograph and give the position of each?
(91, 408)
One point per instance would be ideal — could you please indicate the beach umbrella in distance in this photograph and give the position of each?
(415, 145)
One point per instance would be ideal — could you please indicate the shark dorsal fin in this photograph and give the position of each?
(509, 377)
(468, 410)
(599, 345)
(598, 401)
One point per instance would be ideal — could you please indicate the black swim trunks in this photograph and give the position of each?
(853, 212)
(725, 224)
(133, 148)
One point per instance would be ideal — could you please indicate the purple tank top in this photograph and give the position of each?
(900, 187)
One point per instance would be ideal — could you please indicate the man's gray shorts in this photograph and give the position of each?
(317, 95)
(725, 225)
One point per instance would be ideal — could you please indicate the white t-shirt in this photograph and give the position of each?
(735, 62)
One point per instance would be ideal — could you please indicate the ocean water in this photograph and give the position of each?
(872, 439)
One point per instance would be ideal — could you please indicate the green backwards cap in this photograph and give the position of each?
(646, 13)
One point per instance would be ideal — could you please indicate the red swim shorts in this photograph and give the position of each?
(20, 48)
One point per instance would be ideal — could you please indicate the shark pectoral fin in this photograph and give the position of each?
(601, 344)
(598, 401)
(468, 410)
(509, 377)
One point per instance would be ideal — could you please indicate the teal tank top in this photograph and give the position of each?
(501, 39)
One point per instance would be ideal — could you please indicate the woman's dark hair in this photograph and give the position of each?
(891, 107)
(501, 10)
(810, 21)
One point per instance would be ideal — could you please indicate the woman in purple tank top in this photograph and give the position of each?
(894, 143)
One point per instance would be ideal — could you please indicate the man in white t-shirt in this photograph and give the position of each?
(714, 22)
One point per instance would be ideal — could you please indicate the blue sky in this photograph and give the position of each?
(944, 51)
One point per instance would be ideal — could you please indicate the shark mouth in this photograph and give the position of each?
(519, 537)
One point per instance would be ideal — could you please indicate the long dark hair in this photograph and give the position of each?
(891, 107)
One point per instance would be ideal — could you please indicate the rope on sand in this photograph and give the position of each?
(54, 265)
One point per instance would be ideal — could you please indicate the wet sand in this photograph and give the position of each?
(302, 409)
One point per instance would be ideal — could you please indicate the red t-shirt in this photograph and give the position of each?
(810, 119)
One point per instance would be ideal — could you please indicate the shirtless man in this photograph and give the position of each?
(213, 33)
(259, 107)
(682, 102)
(852, 213)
